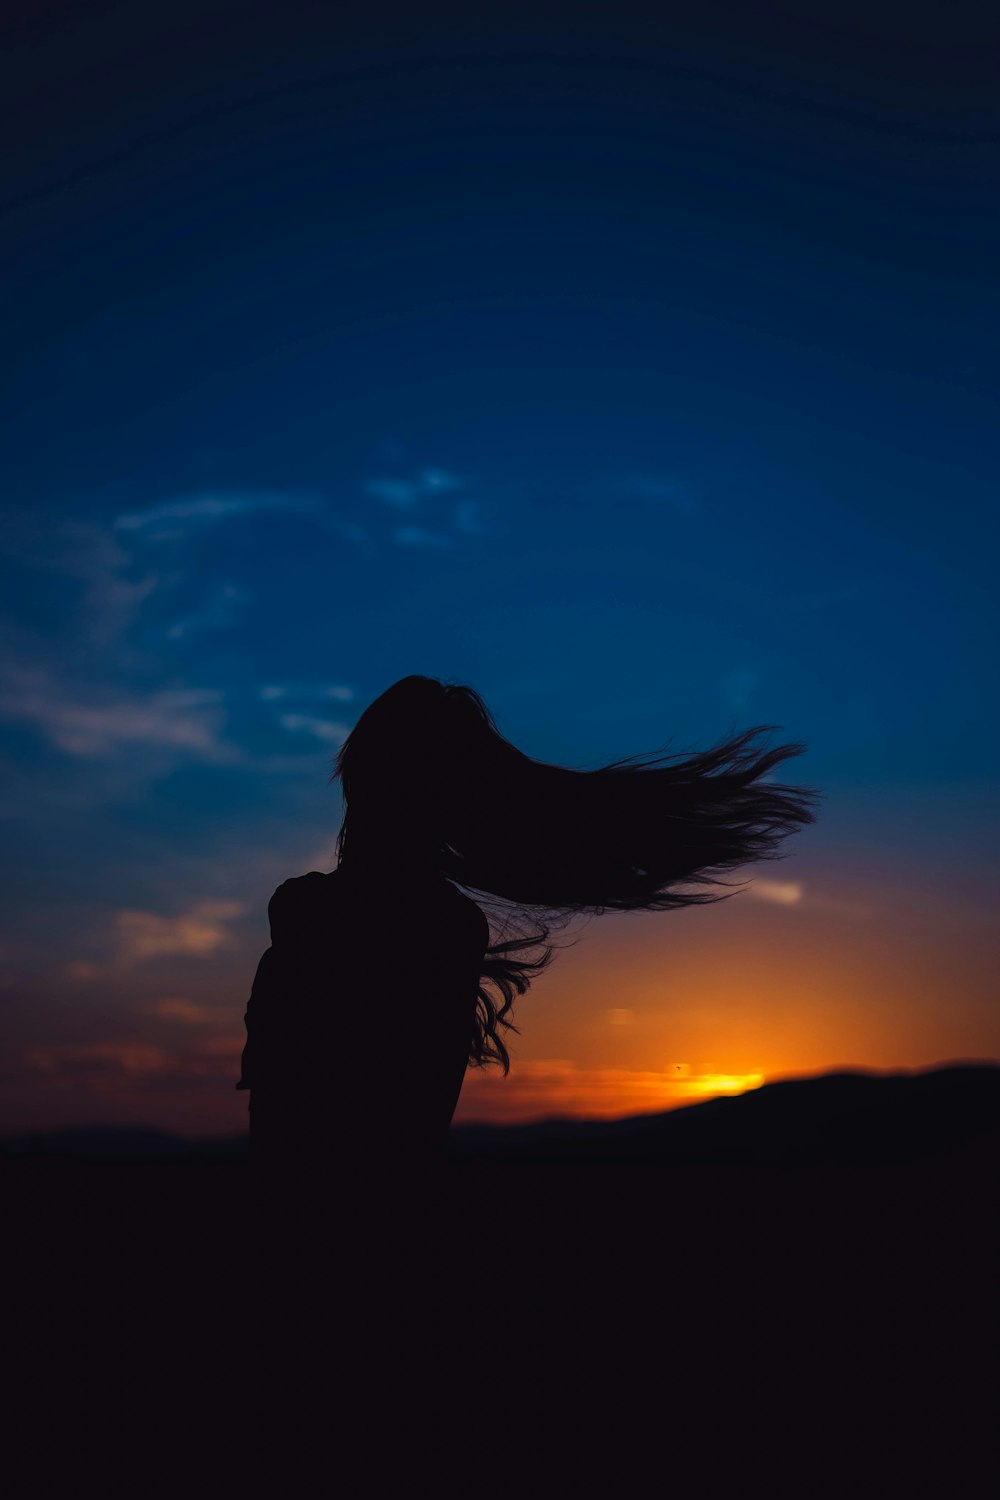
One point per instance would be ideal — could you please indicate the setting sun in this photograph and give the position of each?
(710, 1084)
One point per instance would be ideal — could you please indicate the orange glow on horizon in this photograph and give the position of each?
(712, 1084)
(881, 975)
(559, 1088)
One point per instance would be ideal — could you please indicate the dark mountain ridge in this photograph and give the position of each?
(850, 1116)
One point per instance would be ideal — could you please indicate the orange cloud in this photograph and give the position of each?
(200, 931)
(781, 892)
(101, 1066)
(181, 1010)
(99, 1059)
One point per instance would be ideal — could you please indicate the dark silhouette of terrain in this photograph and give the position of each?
(819, 1246)
(851, 1117)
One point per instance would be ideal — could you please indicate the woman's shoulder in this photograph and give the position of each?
(297, 885)
(311, 879)
(297, 893)
(301, 893)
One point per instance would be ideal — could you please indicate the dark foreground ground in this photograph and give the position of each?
(819, 1258)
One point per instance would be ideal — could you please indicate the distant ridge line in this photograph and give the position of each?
(851, 1115)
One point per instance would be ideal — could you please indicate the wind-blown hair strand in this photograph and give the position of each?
(537, 844)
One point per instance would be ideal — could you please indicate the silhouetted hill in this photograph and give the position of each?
(110, 1145)
(850, 1117)
(749, 1229)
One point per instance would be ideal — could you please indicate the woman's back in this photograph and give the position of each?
(360, 1020)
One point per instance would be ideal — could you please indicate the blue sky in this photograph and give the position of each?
(643, 378)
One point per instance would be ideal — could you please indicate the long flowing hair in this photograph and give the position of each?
(537, 844)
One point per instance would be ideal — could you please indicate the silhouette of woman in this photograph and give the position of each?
(381, 985)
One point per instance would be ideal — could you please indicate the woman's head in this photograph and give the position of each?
(412, 764)
(388, 744)
(391, 769)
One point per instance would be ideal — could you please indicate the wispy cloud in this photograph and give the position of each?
(134, 937)
(105, 722)
(200, 932)
(113, 559)
(187, 1012)
(329, 730)
(273, 691)
(404, 494)
(468, 517)
(220, 612)
(95, 1059)
(439, 530)
(795, 893)
(83, 970)
(399, 493)
(172, 520)
(104, 1067)
(778, 892)
(87, 552)
(439, 482)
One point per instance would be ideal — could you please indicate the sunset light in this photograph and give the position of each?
(711, 1084)
(640, 380)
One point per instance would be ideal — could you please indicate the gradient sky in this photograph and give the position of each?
(642, 375)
